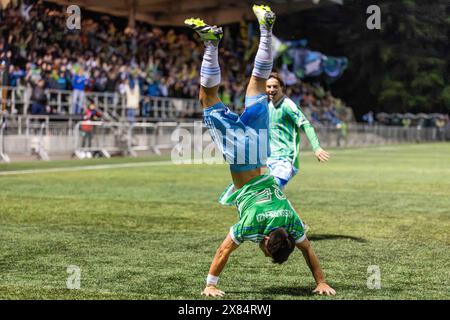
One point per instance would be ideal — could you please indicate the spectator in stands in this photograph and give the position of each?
(3, 82)
(440, 124)
(15, 75)
(132, 98)
(329, 116)
(59, 79)
(368, 117)
(153, 90)
(447, 127)
(78, 96)
(100, 81)
(87, 129)
(4, 77)
(342, 133)
(38, 98)
(406, 122)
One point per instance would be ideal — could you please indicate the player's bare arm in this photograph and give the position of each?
(313, 263)
(217, 265)
(321, 154)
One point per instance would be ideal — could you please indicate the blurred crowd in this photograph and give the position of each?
(39, 52)
(408, 120)
(319, 105)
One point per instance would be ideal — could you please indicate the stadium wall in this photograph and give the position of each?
(50, 141)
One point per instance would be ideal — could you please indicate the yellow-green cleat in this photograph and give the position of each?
(205, 31)
(265, 15)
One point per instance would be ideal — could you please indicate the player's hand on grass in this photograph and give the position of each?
(323, 288)
(322, 155)
(212, 291)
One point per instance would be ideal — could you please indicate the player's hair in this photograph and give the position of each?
(276, 76)
(280, 245)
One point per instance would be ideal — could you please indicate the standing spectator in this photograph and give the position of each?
(342, 133)
(133, 97)
(368, 117)
(406, 123)
(78, 96)
(3, 82)
(100, 81)
(38, 98)
(87, 129)
(15, 75)
(63, 79)
(440, 124)
(446, 127)
(153, 90)
(4, 78)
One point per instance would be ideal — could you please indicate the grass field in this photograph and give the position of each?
(150, 232)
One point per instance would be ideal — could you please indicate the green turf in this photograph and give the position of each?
(78, 163)
(151, 232)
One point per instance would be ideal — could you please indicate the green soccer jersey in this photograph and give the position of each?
(262, 207)
(286, 119)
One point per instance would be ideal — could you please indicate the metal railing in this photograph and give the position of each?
(105, 138)
(17, 101)
(96, 137)
(37, 135)
(363, 135)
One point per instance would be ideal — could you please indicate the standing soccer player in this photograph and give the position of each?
(266, 216)
(286, 120)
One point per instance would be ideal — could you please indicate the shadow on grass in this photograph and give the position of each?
(342, 290)
(318, 237)
(291, 291)
(308, 291)
(273, 291)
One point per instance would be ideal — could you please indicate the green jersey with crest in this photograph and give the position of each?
(286, 119)
(262, 208)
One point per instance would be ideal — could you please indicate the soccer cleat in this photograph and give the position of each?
(206, 32)
(265, 15)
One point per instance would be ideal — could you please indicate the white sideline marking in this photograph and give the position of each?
(93, 167)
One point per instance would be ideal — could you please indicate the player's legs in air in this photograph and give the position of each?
(210, 70)
(244, 139)
(256, 114)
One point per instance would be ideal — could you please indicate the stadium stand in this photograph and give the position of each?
(106, 58)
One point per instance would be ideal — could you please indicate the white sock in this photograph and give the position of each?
(210, 70)
(264, 59)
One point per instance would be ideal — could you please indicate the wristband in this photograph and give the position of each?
(212, 280)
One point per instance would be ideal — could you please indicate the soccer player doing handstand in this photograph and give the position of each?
(265, 215)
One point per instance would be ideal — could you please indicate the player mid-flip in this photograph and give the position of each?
(266, 216)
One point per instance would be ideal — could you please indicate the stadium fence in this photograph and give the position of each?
(17, 100)
(24, 136)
